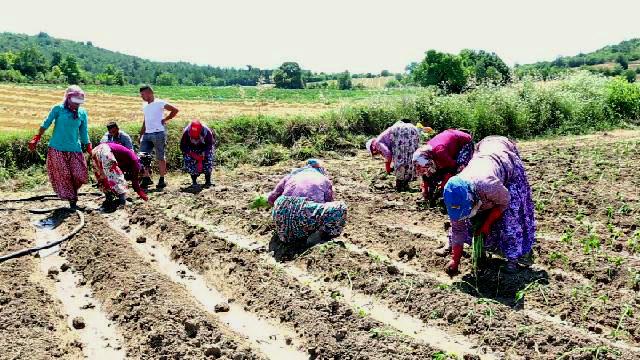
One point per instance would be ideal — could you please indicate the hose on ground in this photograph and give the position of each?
(34, 249)
(45, 196)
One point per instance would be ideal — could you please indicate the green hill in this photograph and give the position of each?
(94, 60)
(611, 60)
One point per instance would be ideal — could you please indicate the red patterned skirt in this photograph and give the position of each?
(67, 172)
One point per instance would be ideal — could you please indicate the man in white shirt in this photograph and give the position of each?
(153, 134)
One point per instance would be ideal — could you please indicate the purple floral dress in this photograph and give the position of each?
(498, 177)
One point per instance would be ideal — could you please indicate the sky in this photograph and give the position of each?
(329, 35)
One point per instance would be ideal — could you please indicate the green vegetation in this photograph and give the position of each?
(242, 93)
(288, 76)
(456, 73)
(577, 104)
(615, 57)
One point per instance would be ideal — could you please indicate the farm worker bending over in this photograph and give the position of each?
(66, 165)
(198, 148)
(111, 162)
(397, 144)
(303, 204)
(445, 155)
(115, 135)
(153, 134)
(494, 193)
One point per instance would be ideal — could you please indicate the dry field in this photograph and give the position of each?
(25, 108)
(194, 276)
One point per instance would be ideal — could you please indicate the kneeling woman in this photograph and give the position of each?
(198, 148)
(303, 204)
(397, 144)
(111, 162)
(445, 155)
(493, 193)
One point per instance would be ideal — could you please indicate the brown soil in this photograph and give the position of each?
(31, 322)
(327, 327)
(158, 318)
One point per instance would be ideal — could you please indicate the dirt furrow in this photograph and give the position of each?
(273, 340)
(328, 327)
(98, 335)
(158, 317)
(32, 324)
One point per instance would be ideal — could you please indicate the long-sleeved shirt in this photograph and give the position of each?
(68, 133)
(445, 148)
(123, 139)
(128, 162)
(205, 146)
(385, 140)
(489, 171)
(308, 183)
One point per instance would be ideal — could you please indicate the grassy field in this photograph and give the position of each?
(25, 107)
(247, 93)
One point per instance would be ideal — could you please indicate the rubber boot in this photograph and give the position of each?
(402, 185)
(194, 180)
(146, 182)
(511, 267)
(122, 200)
(161, 184)
(207, 180)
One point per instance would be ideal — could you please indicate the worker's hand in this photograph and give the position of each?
(452, 268)
(445, 178)
(34, 142)
(424, 188)
(456, 255)
(143, 195)
(484, 229)
(88, 148)
(165, 121)
(387, 167)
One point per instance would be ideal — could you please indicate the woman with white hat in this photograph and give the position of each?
(66, 166)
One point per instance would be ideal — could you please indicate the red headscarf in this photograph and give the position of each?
(195, 129)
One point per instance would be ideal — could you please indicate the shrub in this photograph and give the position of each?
(344, 81)
(270, 154)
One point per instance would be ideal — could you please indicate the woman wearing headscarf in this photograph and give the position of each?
(303, 204)
(493, 193)
(198, 149)
(111, 164)
(66, 165)
(445, 155)
(397, 145)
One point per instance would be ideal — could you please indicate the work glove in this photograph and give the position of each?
(34, 142)
(387, 167)
(424, 188)
(452, 266)
(485, 228)
(88, 148)
(143, 196)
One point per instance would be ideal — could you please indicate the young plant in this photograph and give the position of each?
(627, 311)
(477, 252)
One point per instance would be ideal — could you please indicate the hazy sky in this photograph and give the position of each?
(329, 35)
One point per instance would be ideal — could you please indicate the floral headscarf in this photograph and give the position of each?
(423, 161)
(73, 95)
(312, 164)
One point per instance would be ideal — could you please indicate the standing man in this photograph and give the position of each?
(153, 134)
(114, 135)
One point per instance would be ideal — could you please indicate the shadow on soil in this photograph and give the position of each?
(284, 252)
(55, 218)
(493, 283)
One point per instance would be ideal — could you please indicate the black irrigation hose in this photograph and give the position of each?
(28, 251)
(45, 196)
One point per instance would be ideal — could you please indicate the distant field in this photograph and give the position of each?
(246, 93)
(374, 83)
(25, 107)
